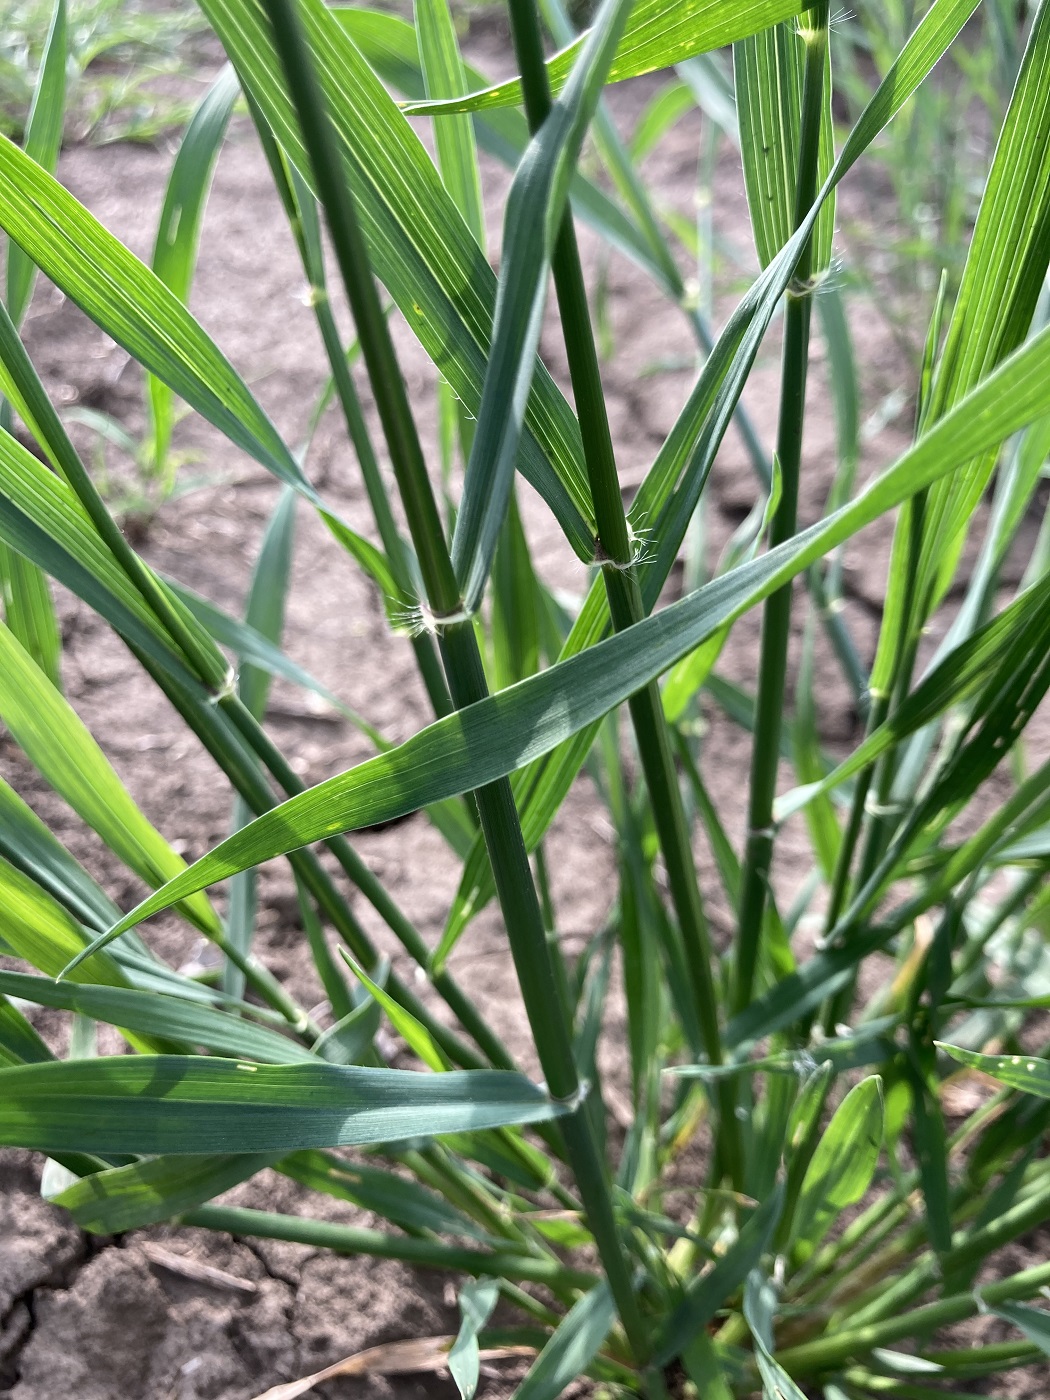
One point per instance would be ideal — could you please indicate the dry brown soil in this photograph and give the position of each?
(103, 1319)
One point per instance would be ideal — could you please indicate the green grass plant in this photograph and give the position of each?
(797, 1094)
(115, 52)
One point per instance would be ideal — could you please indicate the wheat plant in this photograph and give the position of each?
(836, 1220)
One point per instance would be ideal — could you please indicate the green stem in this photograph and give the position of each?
(995, 1357)
(841, 1260)
(966, 859)
(554, 949)
(625, 600)
(203, 656)
(776, 621)
(440, 1170)
(631, 189)
(840, 881)
(348, 1239)
(209, 665)
(463, 665)
(830, 1352)
(877, 713)
(539, 987)
(1026, 1215)
(825, 588)
(872, 1384)
(883, 706)
(900, 684)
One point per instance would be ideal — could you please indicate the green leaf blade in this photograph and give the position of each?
(173, 1104)
(133, 305)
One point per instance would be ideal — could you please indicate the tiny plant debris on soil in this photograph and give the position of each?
(525, 760)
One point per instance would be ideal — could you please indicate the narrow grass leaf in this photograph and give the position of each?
(517, 605)
(1027, 808)
(769, 68)
(42, 519)
(389, 44)
(145, 1193)
(400, 1200)
(38, 929)
(703, 1366)
(131, 304)
(350, 1038)
(1001, 282)
(640, 963)
(28, 606)
(265, 614)
(19, 1042)
(136, 579)
(820, 814)
(258, 653)
(1023, 1072)
(533, 216)
(660, 33)
(572, 1348)
(726, 858)
(177, 1104)
(687, 678)
(29, 611)
(799, 1137)
(705, 1295)
(59, 746)
(178, 232)
(958, 676)
(689, 451)
(842, 1167)
(759, 1312)
(444, 76)
(43, 140)
(154, 1014)
(843, 382)
(267, 597)
(414, 1033)
(374, 562)
(342, 1046)
(671, 102)
(477, 1299)
(1033, 1322)
(998, 716)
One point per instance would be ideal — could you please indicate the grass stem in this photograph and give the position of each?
(625, 600)
(776, 620)
(827, 1353)
(349, 1239)
(463, 664)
